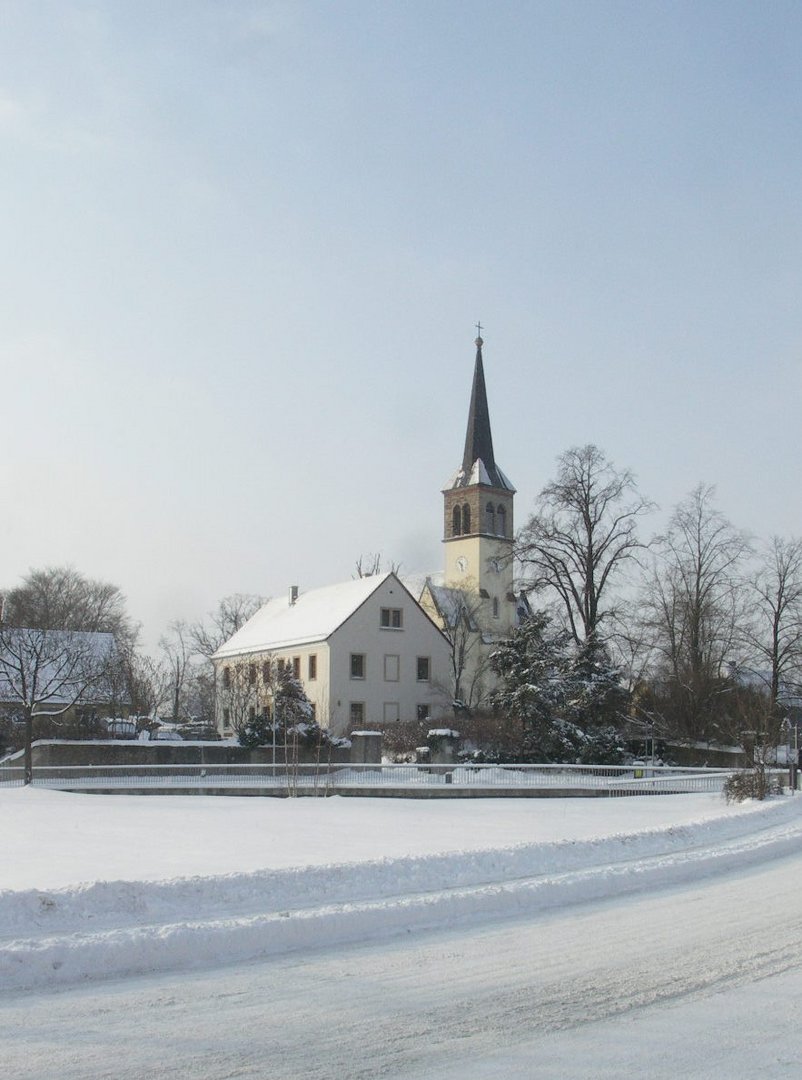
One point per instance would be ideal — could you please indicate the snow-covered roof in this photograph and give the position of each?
(478, 475)
(451, 604)
(416, 583)
(314, 616)
(54, 666)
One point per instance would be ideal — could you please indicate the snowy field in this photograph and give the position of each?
(548, 937)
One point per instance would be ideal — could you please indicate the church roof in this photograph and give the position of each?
(478, 461)
(313, 616)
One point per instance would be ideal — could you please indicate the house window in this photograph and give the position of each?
(312, 667)
(357, 665)
(227, 678)
(391, 618)
(424, 712)
(357, 712)
(424, 669)
(251, 713)
(266, 679)
(296, 667)
(391, 712)
(252, 674)
(227, 719)
(312, 711)
(391, 668)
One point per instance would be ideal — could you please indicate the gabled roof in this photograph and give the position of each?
(451, 604)
(478, 461)
(314, 616)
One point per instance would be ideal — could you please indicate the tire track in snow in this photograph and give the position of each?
(68, 957)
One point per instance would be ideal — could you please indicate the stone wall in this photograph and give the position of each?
(171, 753)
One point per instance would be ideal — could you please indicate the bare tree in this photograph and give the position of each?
(243, 692)
(50, 672)
(177, 651)
(370, 565)
(461, 616)
(774, 634)
(61, 598)
(583, 533)
(231, 614)
(148, 680)
(693, 610)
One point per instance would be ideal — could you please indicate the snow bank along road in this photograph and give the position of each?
(585, 990)
(103, 929)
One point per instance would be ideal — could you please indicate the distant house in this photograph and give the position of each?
(68, 674)
(364, 651)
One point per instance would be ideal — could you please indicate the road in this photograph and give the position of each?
(529, 997)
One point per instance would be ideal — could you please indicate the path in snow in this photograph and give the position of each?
(52, 937)
(531, 997)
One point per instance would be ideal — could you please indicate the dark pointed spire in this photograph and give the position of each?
(478, 461)
(478, 438)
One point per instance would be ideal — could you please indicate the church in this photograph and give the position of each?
(379, 649)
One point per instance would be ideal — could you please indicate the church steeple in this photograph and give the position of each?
(478, 460)
(478, 437)
(478, 524)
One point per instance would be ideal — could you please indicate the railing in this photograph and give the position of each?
(327, 778)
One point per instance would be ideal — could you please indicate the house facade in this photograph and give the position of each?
(364, 651)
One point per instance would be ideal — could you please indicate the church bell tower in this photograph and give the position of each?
(478, 519)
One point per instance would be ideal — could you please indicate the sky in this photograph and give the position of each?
(245, 245)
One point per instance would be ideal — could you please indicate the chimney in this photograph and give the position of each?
(293, 594)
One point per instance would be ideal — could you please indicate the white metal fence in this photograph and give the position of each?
(329, 779)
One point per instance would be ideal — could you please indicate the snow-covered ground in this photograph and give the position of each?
(569, 915)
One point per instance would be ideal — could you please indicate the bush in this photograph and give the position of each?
(757, 783)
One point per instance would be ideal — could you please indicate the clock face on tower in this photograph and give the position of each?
(495, 565)
(462, 564)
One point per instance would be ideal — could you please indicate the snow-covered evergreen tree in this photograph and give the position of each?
(566, 698)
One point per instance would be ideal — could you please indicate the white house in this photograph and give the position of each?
(365, 652)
